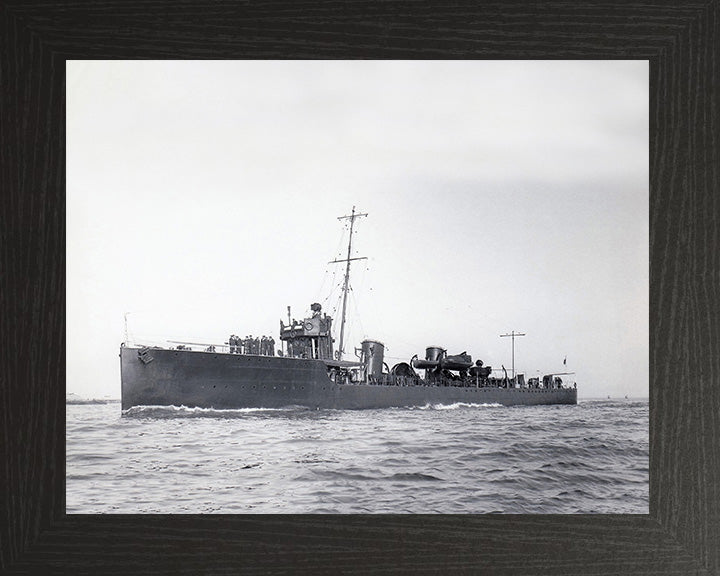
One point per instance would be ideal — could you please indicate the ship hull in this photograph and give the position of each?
(227, 381)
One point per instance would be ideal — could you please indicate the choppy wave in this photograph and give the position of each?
(197, 412)
(152, 411)
(453, 458)
(457, 405)
(453, 406)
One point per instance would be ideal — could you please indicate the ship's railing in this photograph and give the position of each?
(444, 381)
(193, 347)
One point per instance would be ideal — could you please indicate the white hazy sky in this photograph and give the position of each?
(202, 197)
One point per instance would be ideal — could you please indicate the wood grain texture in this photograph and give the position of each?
(681, 535)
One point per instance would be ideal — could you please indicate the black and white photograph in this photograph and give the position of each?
(357, 287)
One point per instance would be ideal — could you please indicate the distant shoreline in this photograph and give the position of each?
(93, 401)
(70, 401)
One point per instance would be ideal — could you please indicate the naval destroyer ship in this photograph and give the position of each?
(308, 371)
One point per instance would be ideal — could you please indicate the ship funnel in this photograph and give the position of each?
(433, 357)
(434, 353)
(372, 356)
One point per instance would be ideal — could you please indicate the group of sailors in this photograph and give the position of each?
(263, 346)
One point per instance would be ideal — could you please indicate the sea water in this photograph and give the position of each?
(459, 458)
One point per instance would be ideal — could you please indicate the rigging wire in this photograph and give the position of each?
(356, 318)
(338, 253)
(336, 308)
(321, 290)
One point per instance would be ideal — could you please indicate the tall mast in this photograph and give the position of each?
(346, 284)
(514, 335)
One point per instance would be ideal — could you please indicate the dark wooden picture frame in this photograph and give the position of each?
(681, 535)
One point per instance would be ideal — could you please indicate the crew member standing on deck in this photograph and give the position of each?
(271, 345)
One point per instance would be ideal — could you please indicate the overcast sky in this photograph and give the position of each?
(202, 198)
